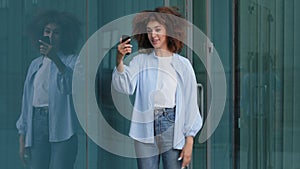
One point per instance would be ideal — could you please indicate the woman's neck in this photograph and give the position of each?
(162, 53)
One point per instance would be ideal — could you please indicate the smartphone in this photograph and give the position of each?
(45, 39)
(125, 38)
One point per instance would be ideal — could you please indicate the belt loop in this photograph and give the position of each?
(40, 110)
(164, 112)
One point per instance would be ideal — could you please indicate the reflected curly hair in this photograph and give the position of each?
(170, 18)
(70, 27)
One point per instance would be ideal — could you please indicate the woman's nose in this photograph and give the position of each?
(153, 34)
(50, 35)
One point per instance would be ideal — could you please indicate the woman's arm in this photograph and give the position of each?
(123, 49)
(124, 77)
(186, 153)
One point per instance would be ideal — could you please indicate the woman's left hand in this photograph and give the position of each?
(47, 50)
(186, 153)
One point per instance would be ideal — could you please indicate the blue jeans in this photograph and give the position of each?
(45, 154)
(149, 154)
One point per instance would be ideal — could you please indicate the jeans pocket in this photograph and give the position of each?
(170, 115)
(40, 126)
(167, 123)
(170, 118)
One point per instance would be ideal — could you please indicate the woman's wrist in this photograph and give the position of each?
(119, 62)
(189, 140)
(59, 64)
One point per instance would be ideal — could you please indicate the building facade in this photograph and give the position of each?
(256, 41)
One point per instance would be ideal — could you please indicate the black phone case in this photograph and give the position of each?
(125, 38)
(45, 39)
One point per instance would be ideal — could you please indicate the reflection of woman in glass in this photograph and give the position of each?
(166, 116)
(48, 123)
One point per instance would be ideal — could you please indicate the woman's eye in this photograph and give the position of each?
(157, 30)
(46, 31)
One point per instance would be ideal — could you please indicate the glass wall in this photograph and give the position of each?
(268, 41)
(256, 41)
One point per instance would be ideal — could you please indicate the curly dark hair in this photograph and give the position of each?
(170, 18)
(70, 27)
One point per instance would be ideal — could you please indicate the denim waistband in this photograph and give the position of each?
(164, 111)
(44, 109)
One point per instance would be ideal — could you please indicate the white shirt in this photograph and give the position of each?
(164, 96)
(41, 85)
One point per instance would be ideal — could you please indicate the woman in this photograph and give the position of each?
(48, 123)
(166, 116)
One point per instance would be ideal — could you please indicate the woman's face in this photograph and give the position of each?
(157, 35)
(53, 31)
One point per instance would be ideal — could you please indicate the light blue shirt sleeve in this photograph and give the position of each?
(126, 81)
(193, 120)
(64, 79)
